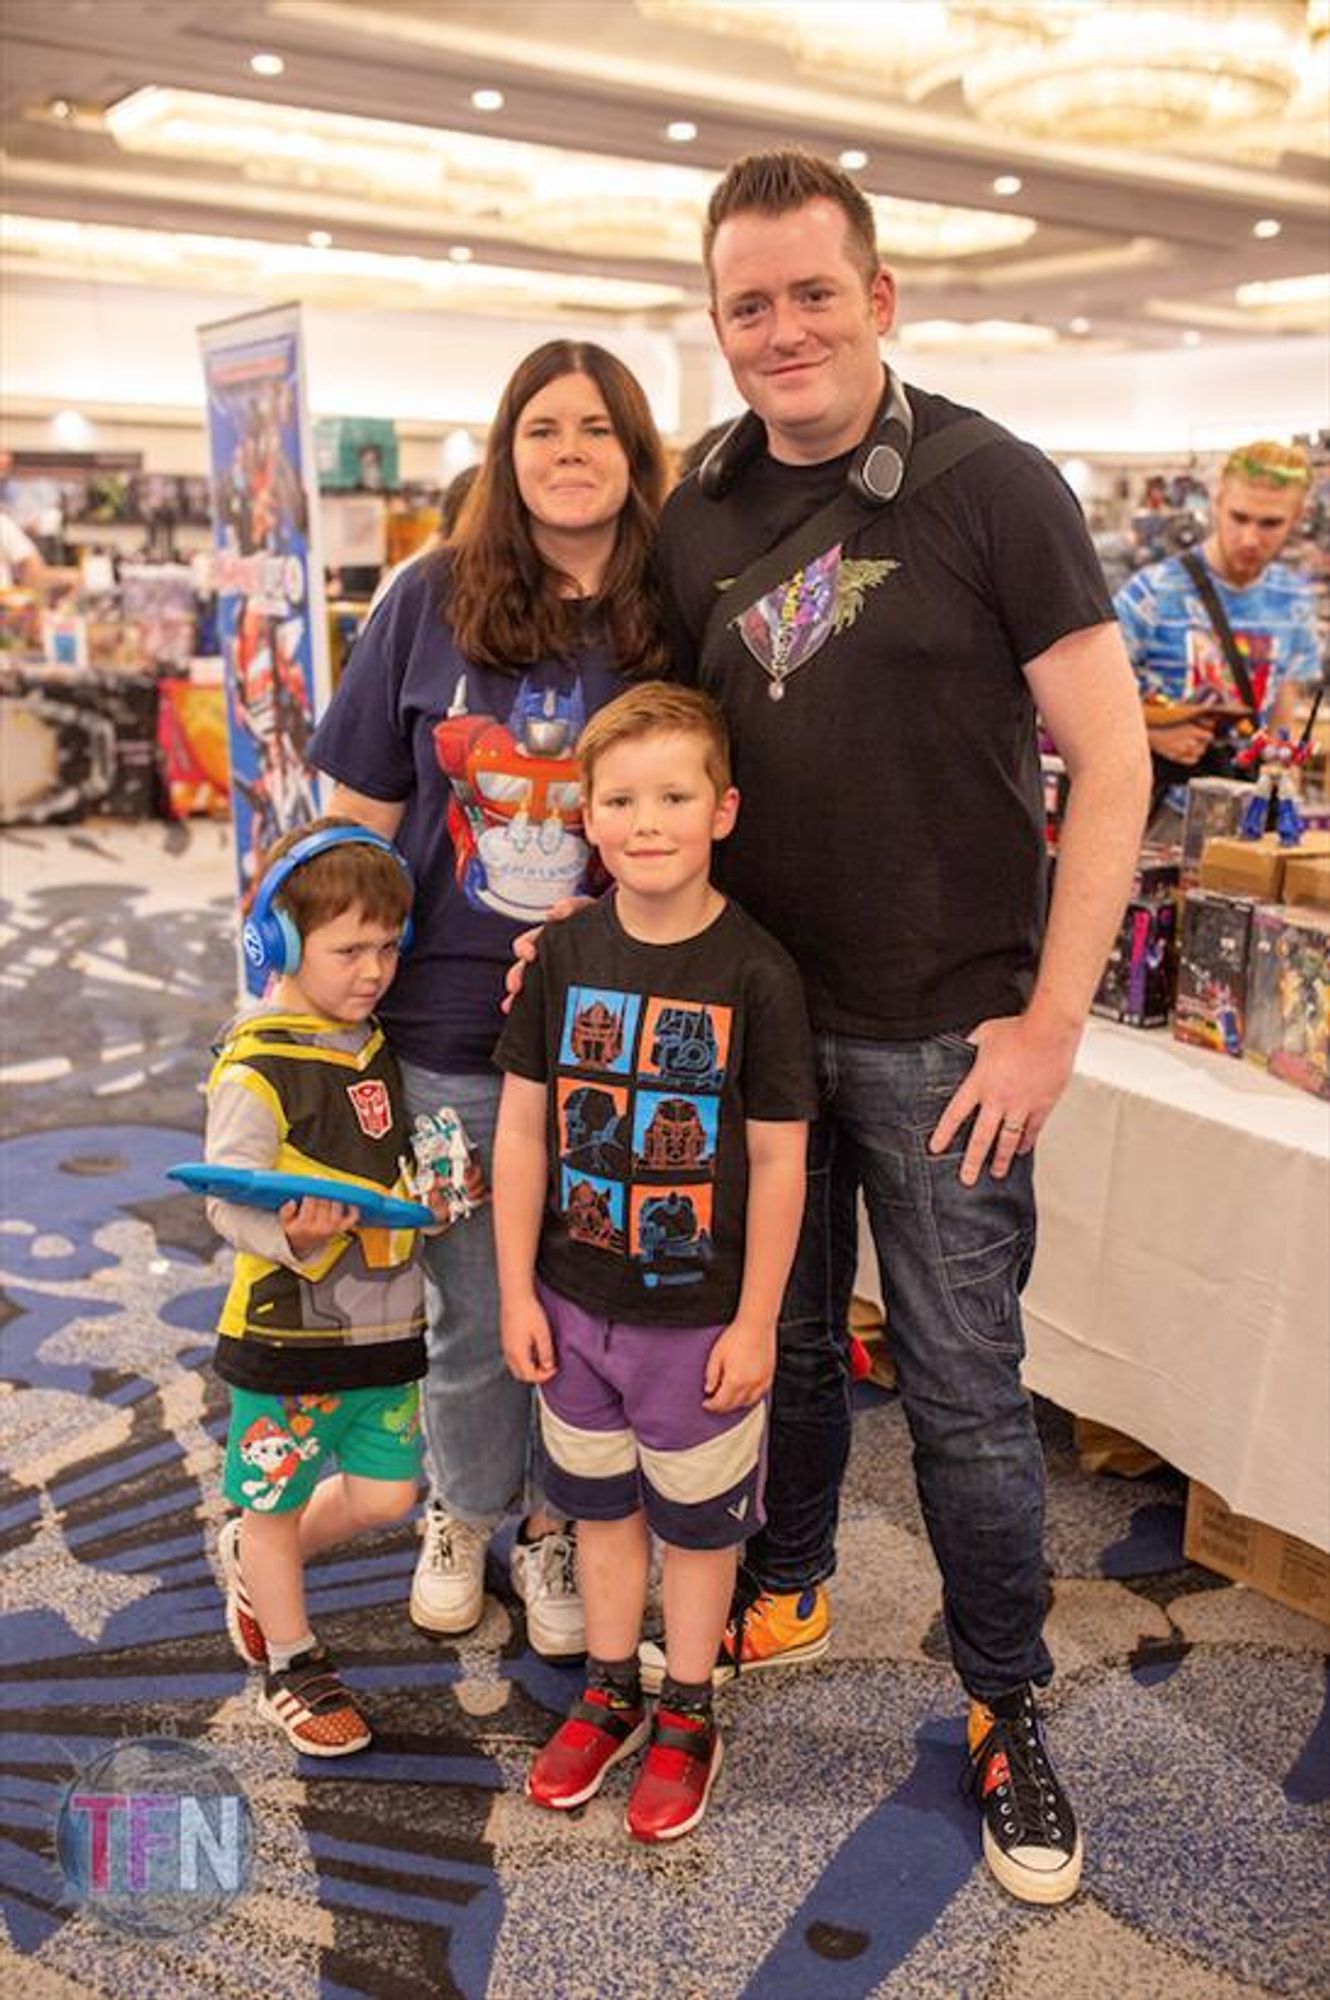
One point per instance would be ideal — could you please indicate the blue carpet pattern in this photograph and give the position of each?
(1190, 1719)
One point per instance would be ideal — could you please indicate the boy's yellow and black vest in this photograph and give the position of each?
(355, 1317)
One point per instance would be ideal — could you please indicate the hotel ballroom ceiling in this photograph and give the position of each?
(148, 118)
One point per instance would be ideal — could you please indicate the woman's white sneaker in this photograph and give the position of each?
(544, 1573)
(448, 1589)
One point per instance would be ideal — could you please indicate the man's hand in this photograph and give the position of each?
(740, 1366)
(1018, 1076)
(314, 1221)
(528, 1344)
(1182, 742)
(526, 942)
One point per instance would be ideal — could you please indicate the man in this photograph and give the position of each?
(1172, 639)
(20, 558)
(881, 694)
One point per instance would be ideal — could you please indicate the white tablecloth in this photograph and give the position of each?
(1182, 1287)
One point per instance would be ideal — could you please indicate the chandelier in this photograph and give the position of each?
(1128, 72)
(1139, 72)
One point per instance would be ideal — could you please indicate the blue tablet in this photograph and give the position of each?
(256, 1189)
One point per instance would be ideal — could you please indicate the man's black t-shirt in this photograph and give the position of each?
(654, 1056)
(891, 834)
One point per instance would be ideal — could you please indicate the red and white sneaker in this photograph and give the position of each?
(309, 1704)
(244, 1628)
(671, 1790)
(598, 1734)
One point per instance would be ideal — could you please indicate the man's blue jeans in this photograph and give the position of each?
(953, 1262)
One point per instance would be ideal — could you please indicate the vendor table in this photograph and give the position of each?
(1181, 1291)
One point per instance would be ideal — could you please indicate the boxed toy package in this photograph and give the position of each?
(1135, 985)
(1214, 807)
(1288, 1004)
(1211, 1003)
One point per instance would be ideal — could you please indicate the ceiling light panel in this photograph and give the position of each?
(470, 183)
(41, 245)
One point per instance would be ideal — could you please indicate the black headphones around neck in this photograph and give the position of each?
(877, 469)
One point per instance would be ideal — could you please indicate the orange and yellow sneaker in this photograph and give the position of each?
(767, 1628)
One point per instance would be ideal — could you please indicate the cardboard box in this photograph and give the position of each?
(1210, 1008)
(1277, 1564)
(1254, 867)
(1307, 881)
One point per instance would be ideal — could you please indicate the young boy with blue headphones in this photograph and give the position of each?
(321, 1337)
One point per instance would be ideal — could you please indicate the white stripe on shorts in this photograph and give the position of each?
(588, 1454)
(704, 1471)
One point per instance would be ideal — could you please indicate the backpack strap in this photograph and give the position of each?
(843, 516)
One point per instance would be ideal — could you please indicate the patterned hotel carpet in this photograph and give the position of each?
(1190, 1718)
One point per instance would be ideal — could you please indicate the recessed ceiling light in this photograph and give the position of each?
(1266, 227)
(266, 64)
(681, 131)
(60, 107)
(1078, 325)
(320, 239)
(1191, 338)
(1008, 184)
(853, 158)
(487, 100)
(70, 429)
(460, 254)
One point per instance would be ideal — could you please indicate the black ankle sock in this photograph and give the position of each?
(620, 1679)
(687, 1697)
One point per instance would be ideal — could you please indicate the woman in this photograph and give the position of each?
(452, 733)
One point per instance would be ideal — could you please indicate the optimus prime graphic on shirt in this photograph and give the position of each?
(1208, 672)
(515, 814)
(637, 1108)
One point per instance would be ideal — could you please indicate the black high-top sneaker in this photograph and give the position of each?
(1030, 1839)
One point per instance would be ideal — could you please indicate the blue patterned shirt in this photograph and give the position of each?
(1176, 651)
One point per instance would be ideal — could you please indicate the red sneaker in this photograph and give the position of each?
(598, 1734)
(671, 1790)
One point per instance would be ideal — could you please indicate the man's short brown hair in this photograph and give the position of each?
(775, 183)
(351, 873)
(1267, 463)
(657, 708)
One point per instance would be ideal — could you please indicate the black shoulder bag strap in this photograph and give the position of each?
(841, 516)
(1237, 666)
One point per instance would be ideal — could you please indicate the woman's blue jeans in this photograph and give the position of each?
(477, 1418)
(953, 1262)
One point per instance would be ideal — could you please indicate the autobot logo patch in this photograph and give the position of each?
(369, 1101)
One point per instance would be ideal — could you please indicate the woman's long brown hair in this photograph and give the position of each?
(505, 604)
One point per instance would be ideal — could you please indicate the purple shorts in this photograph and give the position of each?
(624, 1429)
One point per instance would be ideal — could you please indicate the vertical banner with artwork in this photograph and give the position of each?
(271, 625)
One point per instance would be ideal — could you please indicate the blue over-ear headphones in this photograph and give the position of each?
(270, 940)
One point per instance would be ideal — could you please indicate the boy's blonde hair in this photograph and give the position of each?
(353, 872)
(1267, 463)
(657, 708)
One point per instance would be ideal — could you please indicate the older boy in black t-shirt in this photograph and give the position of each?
(649, 1180)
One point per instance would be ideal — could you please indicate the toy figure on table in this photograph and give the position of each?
(1275, 794)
